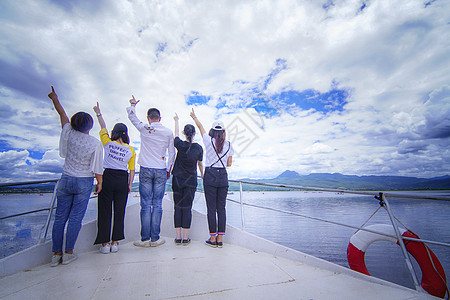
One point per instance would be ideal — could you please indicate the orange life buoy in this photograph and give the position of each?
(433, 281)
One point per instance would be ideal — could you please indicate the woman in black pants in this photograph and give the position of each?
(119, 157)
(219, 154)
(184, 180)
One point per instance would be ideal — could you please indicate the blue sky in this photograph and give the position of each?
(350, 86)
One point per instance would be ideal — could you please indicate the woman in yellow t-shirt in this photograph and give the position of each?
(119, 157)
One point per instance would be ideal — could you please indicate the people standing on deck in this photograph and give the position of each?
(184, 180)
(119, 158)
(83, 156)
(219, 154)
(156, 141)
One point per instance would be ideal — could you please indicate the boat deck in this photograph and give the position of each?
(247, 267)
(195, 271)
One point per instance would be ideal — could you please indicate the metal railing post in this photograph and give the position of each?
(44, 229)
(400, 242)
(242, 205)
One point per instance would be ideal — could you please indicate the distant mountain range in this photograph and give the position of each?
(353, 182)
(322, 180)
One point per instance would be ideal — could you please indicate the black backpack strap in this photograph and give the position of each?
(220, 157)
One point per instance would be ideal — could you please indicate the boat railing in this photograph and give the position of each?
(382, 197)
(50, 208)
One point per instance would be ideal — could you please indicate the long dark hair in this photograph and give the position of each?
(120, 130)
(81, 121)
(219, 136)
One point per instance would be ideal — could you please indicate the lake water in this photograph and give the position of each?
(430, 219)
(427, 218)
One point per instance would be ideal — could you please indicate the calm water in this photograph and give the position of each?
(18, 233)
(429, 219)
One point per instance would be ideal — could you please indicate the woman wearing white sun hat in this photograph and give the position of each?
(219, 154)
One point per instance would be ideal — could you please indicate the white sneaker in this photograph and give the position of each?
(114, 248)
(105, 249)
(158, 242)
(68, 258)
(144, 244)
(56, 260)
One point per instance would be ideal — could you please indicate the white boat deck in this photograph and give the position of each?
(195, 271)
(247, 267)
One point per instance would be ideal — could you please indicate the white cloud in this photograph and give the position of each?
(392, 58)
(13, 159)
(318, 148)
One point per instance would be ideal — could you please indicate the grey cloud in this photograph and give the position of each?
(25, 78)
(411, 147)
(7, 111)
(437, 115)
(89, 6)
(437, 130)
(51, 166)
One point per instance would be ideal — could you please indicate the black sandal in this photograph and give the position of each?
(178, 242)
(211, 244)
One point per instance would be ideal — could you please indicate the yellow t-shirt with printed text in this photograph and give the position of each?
(117, 156)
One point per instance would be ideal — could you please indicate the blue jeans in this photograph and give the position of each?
(72, 199)
(152, 185)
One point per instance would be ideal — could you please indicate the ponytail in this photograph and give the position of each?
(219, 136)
(189, 131)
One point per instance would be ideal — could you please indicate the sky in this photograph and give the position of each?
(313, 86)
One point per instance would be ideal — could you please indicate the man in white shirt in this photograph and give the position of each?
(156, 141)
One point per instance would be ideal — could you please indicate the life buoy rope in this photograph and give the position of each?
(433, 281)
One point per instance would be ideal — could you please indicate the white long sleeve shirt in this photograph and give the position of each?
(156, 141)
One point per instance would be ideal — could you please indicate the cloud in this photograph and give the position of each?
(51, 162)
(318, 148)
(18, 166)
(315, 86)
(437, 115)
(13, 159)
(7, 112)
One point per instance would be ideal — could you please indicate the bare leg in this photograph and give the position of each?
(185, 233)
(178, 231)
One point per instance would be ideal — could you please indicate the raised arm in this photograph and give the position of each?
(62, 114)
(177, 126)
(132, 114)
(198, 123)
(101, 121)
